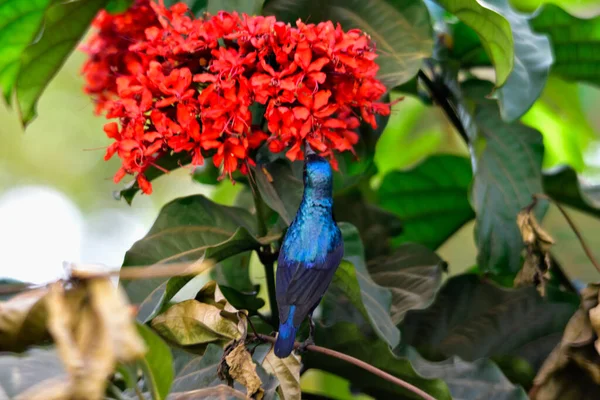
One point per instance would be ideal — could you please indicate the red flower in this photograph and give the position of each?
(180, 84)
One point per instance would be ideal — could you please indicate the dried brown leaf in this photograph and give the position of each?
(537, 258)
(287, 371)
(23, 320)
(243, 370)
(93, 330)
(574, 365)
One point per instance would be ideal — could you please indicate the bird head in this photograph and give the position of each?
(318, 176)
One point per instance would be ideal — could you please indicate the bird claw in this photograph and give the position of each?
(304, 345)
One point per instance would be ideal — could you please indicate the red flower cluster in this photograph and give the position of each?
(181, 84)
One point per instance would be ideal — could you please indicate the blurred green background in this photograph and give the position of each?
(56, 192)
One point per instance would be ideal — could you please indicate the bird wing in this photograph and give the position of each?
(306, 284)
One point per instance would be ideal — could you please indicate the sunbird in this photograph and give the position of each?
(310, 253)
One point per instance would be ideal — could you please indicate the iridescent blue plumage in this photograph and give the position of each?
(312, 250)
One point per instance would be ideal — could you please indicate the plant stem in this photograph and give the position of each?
(359, 363)
(442, 100)
(265, 254)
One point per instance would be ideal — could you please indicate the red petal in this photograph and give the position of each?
(321, 99)
(144, 184)
(112, 130)
(301, 113)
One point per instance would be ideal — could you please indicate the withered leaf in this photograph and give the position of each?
(93, 330)
(537, 242)
(243, 370)
(287, 371)
(572, 371)
(23, 320)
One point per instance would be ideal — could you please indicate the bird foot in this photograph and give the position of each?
(304, 345)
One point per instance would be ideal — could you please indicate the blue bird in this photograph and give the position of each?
(311, 251)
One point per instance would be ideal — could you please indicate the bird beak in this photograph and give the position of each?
(307, 149)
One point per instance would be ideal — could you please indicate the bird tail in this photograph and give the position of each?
(286, 336)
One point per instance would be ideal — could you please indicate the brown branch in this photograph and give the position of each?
(582, 241)
(152, 271)
(359, 363)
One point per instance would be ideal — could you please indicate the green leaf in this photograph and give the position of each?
(481, 379)
(280, 187)
(431, 199)
(243, 300)
(19, 23)
(192, 322)
(508, 161)
(118, 6)
(353, 280)
(533, 58)
(575, 43)
(250, 7)
(167, 162)
(200, 372)
(400, 29)
(466, 46)
(187, 230)
(565, 186)
(493, 30)
(376, 226)
(157, 364)
(473, 318)
(19, 373)
(413, 274)
(207, 174)
(64, 25)
(452, 378)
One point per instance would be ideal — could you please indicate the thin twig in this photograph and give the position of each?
(152, 271)
(582, 241)
(359, 363)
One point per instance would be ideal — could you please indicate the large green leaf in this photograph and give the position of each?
(250, 7)
(565, 186)
(280, 187)
(353, 280)
(187, 230)
(481, 379)
(508, 161)
(65, 22)
(19, 23)
(493, 29)
(19, 373)
(452, 378)
(575, 41)
(533, 58)
(157, 364)
(376, 226)
(413, 274)
(431, 199)
(167, 162)
(347, 338)
(472, 318)
(400, 29)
